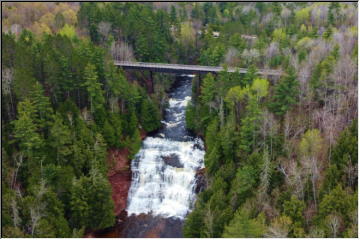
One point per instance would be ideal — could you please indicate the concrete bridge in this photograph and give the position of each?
(187, 69)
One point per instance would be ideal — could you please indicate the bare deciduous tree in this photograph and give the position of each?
(231, 57)
(285, 14)
(319, 14)
(15, 212)
(251, 55)
(104, 29)
(209, 222)
(37, 208)
(279, 228)
(272, 50)
(122, 51)
(269, 128)
(7, 75)
(294, 177)
(334, 223)
(264, 177)
(310, 146)
(18, 161)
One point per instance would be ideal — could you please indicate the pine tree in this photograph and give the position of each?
(243, 226)
(250, 75)
(286, 94)
(60, 138)
(294, 208)
(109, 134)
(102, 206)
(79, 203)
(236, 98)
(44, 111)
(250, 125)
(173, 17)
(132, 121)
(93, 87)
(25, 129)
(346, 149)
(194, 222)
(208, 89)
(243, 184)
(65, 76)
(149, 116)
(135, 143)
(99, 151)
(24, 80)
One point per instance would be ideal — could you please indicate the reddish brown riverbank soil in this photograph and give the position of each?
(119, 177)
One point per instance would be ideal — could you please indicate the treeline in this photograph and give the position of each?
(281, 154)
(64, 104)
(148, 32)
(38, 17)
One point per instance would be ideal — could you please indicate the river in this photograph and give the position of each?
(163, 183)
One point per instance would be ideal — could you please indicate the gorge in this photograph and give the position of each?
(164, 185)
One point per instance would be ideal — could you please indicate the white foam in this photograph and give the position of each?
(161, 189)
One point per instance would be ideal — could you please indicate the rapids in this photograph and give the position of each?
(163, 171)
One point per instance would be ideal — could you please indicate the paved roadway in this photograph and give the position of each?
(188, 69)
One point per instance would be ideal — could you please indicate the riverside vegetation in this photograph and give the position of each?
(281, 154)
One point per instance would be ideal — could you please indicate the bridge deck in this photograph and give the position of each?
(188, 69)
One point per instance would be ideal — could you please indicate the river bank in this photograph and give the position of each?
(154, 195)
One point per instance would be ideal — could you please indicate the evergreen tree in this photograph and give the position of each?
(244, 226)
(250, 75)
(294, 208)
(25, 130)
(91, 203)
(173, 17)
(149, 116)
(93, 87)
(194, 223)
(109, 134)
(285, 93)
(60, 138)
(208, 89)
(24, 80)
(245, 181)
(346, 149)
(42, 105)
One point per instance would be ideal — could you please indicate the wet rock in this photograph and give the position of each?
(148, 226)
(200, 179)
(172, 160)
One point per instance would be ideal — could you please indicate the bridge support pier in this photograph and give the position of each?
(198, 84)
(151, 82)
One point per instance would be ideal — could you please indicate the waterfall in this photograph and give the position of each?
(163, 171)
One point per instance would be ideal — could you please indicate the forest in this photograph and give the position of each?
(281, 153)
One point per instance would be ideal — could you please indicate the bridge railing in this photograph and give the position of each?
(193, 67)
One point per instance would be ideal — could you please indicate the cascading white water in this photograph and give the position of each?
(163, 180)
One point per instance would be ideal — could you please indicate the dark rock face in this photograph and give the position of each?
(201, 182)
(141, 226)
(148, 226)
(173, 160)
